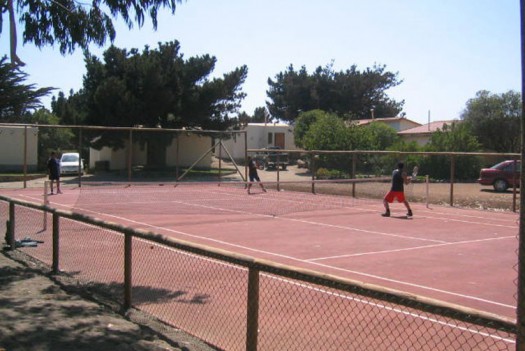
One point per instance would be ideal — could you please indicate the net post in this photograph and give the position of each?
(278, 176)
(514, 180)
(354, 167)
(25, 157)
(220, 158)
(427, 181)
(130, 154)
(452, 173)
(314, 166)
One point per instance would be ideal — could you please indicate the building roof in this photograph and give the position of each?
(273, 124)
(360, 122)
(428, 128)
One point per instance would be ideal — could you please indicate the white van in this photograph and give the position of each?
(69, 163)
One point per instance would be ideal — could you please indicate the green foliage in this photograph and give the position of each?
(453, 138)
(154, 88)
(329, 132)
(303, 123)
(51, 139)
(261, 115)
(376, 136)
(346, 93)
(495, 120)
(69, 109)
(323, 173)
(72, 24)
(17, 98)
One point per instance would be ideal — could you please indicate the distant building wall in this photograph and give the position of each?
(12, 148)
(192, 147)
(259, 136)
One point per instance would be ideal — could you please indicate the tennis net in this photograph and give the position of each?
(216, 198)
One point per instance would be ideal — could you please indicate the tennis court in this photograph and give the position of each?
(461, 256)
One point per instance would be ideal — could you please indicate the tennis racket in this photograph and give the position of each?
(413, 177)
(414, 173)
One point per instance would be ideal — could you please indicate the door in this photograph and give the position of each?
(279, 140)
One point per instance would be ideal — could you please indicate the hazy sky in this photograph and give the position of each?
(444, 50)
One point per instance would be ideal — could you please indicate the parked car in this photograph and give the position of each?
(501, 176)
(272, 159)
(69, 163)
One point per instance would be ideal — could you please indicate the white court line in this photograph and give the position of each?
(410, 248)
(378, 305)
(423, 287)
(293, 258)
(446, 217)
(395, 310)
(351, 298)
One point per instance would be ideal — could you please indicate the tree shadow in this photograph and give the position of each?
(39, 311)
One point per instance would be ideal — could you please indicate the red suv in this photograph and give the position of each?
(501, 176)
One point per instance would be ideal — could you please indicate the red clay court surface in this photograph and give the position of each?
(461, 256)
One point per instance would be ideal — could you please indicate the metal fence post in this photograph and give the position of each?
(252, 323)
(452, 172)
(11, 228)
(354, 171)
(127, 269)
(56, 242)
(314, 171)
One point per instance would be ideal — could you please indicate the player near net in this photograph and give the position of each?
(253, 175)
(397, 190)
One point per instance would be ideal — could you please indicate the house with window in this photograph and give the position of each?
(186, 149)
(398, 123)
(422, 134)
(259, 136)
(18, 145)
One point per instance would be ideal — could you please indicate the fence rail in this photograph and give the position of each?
(236, 302)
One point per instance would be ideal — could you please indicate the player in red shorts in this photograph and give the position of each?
(397, 191)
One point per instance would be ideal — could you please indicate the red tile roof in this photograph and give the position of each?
(428, 128)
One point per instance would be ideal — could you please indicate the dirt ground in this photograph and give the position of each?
(470, 195)
(42, 312)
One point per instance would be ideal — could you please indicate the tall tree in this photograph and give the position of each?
(156, 88)
(495, 120)
(72, 24)
(17, 98)
(350, 93)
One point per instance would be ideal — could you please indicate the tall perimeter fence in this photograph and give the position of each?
(239, 303)
(235, 302)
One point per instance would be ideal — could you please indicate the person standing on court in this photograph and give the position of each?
(253, 175)
(397, 190)
(53, 167)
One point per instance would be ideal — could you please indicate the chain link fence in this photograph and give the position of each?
(238, 303)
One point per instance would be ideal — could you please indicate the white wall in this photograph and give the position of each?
(257, 138)
(12, 148)
(192, 147)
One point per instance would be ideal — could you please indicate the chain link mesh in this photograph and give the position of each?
(205, 294)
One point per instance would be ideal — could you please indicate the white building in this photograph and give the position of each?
(12, 150)
(184, 151)
(259, 136)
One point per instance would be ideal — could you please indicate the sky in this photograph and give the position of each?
(444, 51)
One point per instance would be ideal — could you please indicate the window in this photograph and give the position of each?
(270, 138)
